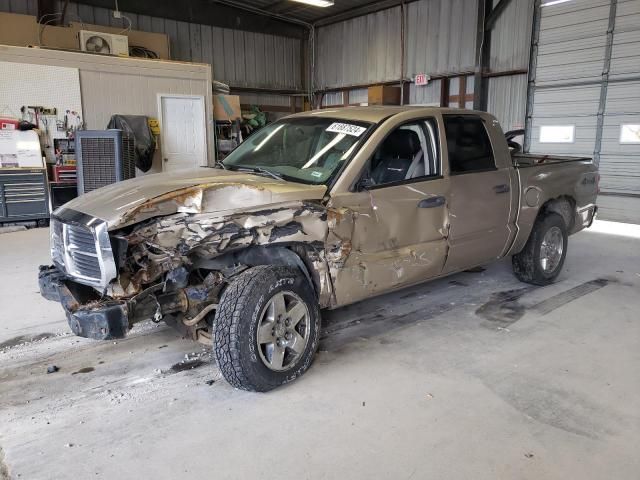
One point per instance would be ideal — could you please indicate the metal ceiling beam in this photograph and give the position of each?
(210, 12)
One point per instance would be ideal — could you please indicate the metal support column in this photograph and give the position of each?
(605, 80)
(483, 50)
(531, 83)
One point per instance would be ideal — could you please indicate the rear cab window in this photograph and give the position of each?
(468, 144)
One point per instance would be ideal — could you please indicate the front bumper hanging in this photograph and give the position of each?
(103, 321)
(92, 316)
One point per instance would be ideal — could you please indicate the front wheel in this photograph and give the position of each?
(266, 329)
(542, 258)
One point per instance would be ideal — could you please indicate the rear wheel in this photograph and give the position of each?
(542, 258)
(266, 328)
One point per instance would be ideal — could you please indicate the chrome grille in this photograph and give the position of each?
(81, 249)
(57, 243)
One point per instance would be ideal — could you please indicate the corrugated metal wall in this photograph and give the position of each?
(440, 36)
(511, 36)
(507, 100)
(510, 47)
(359, 51)
(239, 58)
(440, 39)
(25, 7)
(425, 95)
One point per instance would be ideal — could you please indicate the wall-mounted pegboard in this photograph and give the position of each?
(25, 84)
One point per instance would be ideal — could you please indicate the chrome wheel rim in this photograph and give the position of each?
(551, 249)
(283, 331)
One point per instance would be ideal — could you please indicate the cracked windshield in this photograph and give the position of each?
(307, 150)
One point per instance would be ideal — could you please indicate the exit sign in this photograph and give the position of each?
(422, 79)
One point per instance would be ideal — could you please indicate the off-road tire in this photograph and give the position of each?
(527, 266)
(238, 316)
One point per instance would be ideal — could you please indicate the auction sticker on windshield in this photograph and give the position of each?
(346, 128)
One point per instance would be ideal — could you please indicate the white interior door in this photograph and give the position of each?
(183, 134)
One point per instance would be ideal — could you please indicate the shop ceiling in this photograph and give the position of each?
(281, 17)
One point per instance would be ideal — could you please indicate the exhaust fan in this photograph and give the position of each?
(105, 43)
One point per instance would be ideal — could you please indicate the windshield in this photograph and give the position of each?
(308, 150)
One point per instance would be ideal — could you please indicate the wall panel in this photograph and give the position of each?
(507, 100)
(441, 36)
(359, 51)
(239, 58)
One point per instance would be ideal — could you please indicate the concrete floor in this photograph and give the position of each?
(475, 376)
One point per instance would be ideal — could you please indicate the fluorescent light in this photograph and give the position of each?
(316, 3)
(554, 2)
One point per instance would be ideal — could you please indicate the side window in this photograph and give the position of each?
(408, 152)
(468, 144)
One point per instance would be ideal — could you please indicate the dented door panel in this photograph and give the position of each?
(394, 242)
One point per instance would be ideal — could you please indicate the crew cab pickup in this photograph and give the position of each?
(316, 211)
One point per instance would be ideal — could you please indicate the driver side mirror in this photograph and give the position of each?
(365, 183)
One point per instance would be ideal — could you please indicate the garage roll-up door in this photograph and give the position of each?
(586, 91)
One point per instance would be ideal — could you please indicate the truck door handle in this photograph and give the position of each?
(431, 202)
(504, 188)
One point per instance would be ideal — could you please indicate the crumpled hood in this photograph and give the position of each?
(200, 190)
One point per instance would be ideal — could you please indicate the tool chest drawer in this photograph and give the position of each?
(23, 195)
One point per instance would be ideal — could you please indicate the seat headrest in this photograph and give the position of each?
(402, 144)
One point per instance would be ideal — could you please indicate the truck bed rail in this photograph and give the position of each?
(525, 160)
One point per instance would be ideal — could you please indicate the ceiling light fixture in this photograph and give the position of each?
(316, 3)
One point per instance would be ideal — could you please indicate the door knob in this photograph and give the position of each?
(504, 188)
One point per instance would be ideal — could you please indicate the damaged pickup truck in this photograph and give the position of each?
(315, 211)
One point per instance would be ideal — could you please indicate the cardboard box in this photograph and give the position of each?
(384, 95)
(22, 31)
(18, 30)
(226, 107)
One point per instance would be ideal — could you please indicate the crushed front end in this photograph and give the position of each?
(90, 267)
(174, 267)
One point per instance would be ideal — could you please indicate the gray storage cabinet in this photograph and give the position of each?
(23, 194)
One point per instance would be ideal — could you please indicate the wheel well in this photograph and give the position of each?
(563, 206)
(293, 255)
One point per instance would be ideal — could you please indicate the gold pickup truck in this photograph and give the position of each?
(316, 211)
